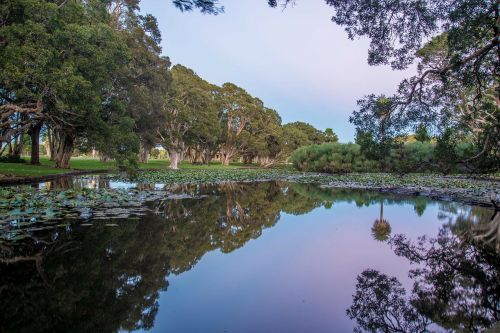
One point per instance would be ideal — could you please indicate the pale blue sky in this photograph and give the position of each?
(297, 61)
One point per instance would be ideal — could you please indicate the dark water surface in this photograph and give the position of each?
(259, 257)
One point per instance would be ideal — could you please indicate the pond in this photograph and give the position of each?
(247, 257)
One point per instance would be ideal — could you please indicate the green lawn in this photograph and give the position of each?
(47, 167)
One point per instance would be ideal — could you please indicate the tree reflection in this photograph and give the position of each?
(380, 305)
(381, 229)
(102, 280)
(456, 283)
(107, 277)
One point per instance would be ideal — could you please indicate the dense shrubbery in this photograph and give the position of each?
(332, 158)
(403, 158)
(11, 159)
(411, 157)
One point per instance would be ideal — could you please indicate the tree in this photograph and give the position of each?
(66, 83)
(293, 138)
(299, 134)
(261, 140)
(23, 76)
(376, 127)
(421, 134)
(205, 136)
(330, 136)
(238, 109)
(141, 85)
(188, 102)
(457, 68)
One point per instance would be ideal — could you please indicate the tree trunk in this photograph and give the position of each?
(52, 143)
(64, 150)
(207, 157)
(190, 155)
(35, 143)
(174, 159)
(48, 149)
(226, 157)
(144, 154)
(17, 149)
(11, 149)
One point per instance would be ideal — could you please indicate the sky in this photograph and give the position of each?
(295, 60)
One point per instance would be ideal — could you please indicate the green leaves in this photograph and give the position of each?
(331, 158)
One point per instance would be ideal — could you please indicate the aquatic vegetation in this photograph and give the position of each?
(82, 199)
(24, 209)
(462, 188)
(201, 176)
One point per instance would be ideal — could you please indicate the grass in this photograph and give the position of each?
(47, 167)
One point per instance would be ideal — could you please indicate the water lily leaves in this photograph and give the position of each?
(25, 208)
(15, 212)
(17, 237)
(49, 212)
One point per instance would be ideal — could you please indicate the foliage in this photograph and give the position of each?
(455, 44)
(205, 6)
(445, 150)
(375, 126)
(99, 83)
(299, 134)
(412, 157)
(189, 109)
(331, 158)
(11, 159)
(421, 134)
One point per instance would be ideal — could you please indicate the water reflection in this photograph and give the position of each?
(108, 277)
(456, 282)
(381, 228)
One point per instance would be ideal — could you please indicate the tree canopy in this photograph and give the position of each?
(91, 76)
(456, 45)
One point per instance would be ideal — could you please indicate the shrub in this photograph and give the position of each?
(11, 159)
(412, 157)
(332, 158)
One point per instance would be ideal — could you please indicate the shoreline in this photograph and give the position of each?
(470, 190)
(26, 180)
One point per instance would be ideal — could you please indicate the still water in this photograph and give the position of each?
(260, 257)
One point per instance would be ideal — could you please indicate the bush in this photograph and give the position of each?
(412, 157)
(11, 159)
(332, 158)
